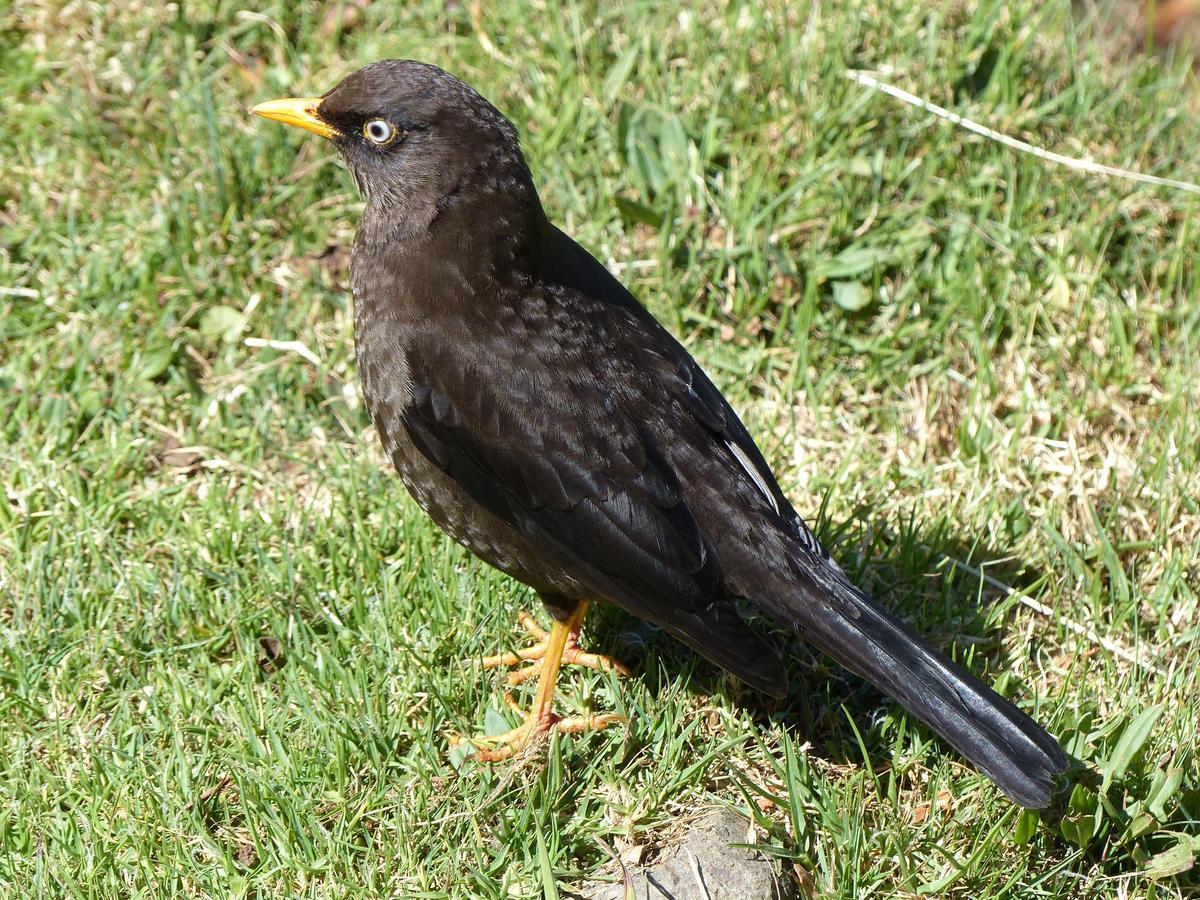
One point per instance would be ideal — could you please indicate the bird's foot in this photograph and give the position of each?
(535, 727)
(552, 649)
(535, 653)
(545, 659)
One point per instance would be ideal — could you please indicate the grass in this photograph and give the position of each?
(229, 641)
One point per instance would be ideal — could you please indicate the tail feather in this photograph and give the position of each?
(1006, 744)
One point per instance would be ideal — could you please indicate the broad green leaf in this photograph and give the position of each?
(1139, 826)
(851, 295)
(854, 260)
(458, 754)
(1160, 794)
(673, 146)
(494, 723)
(1133, 738)
(1174, 860)
(633, 211)
(222, 323)
(155, 361)
(1074, 833)
(1083, 822)
(1026, 827)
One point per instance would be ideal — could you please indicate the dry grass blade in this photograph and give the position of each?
(1089, 634)
(1081, 165)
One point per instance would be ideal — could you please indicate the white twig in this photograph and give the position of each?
(286, 347)
(1070, 162)
(1042, 609)
(475, 10)
(694, 865)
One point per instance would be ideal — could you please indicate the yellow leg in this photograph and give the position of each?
(551, 652)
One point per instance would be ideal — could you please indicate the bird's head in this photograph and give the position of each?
(412, 135)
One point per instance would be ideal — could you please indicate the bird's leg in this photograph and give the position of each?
(536, 652)
(550, 651)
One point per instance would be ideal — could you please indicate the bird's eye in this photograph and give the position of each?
(379, 131)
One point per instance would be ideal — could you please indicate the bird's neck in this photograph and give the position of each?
(494, 188)
(468, 250)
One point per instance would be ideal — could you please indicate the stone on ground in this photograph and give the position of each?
(719, 871)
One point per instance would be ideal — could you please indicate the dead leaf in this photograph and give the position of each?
(805, 881)
(270, 654)
(183, 458)
(341, 17)
(335, 260)
(173, 455)
(213, 791)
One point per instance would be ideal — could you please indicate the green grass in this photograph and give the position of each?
(1018, 391)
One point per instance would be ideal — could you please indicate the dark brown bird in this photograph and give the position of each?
(547, 422)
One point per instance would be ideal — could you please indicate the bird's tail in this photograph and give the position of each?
(1013, 750)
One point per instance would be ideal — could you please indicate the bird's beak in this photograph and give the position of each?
(298, 111)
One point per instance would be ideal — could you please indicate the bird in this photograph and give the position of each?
(546, 421)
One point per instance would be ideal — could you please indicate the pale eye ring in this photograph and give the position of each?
(379, 131)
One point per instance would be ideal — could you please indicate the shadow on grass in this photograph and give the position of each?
(1128, 822)
(906, 571)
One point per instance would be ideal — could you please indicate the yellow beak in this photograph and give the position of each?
(298, 111)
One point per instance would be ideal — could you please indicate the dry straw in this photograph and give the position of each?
(1081, 165)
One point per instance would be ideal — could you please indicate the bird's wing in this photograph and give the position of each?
(721, 434)
(546, 447)
(772, 557)
(728, 437)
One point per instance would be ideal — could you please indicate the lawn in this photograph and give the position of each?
(230, 645)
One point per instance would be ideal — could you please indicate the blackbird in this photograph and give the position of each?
(546, 421)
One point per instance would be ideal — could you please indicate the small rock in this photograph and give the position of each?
(703, 867)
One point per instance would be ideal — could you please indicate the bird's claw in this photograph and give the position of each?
(530, 732)
(535, 652)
